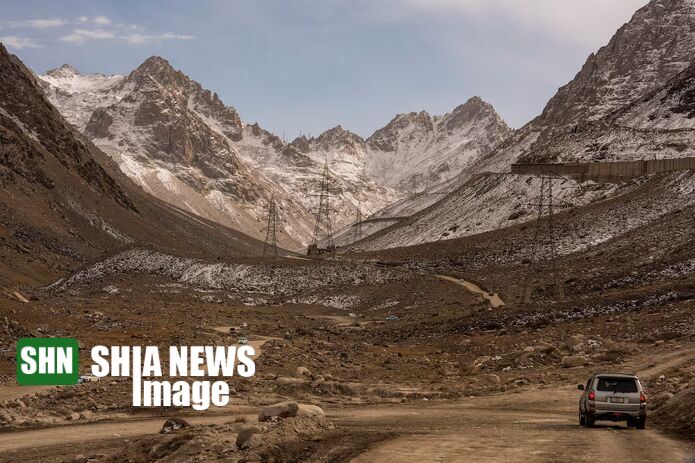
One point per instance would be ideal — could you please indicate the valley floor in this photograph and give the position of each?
(537, 423)
(420, 353)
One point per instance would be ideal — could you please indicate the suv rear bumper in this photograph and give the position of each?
(608, 415)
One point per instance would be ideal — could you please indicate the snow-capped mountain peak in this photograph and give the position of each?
(63, 71)
(416, 149)
(181, 143)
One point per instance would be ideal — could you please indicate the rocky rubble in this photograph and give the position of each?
(271, 279)
(281, 439)
(53, 406)
(676, 412)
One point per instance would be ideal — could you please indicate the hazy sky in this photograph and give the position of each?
(308, 65)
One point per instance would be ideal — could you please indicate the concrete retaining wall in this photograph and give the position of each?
(606, 171)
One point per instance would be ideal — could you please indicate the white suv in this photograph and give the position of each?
(613, 397)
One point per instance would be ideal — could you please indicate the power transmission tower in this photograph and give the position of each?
(411, 190)
(271, 241)
(542, 265)
(323, 214)
(358, 223)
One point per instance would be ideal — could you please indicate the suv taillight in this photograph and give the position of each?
(592, 395)
(642, 398)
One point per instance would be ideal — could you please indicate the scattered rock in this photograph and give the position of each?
(317, 382)
(5, 417)
(287, 381)
(110, 289)
(544, 348)
(245, 434)
(490, 379)
(659, 399)
(572, 361)
(18, 296)
(302, 372)
(279, 410)
(678, 413)
(310, 411)
(172, 424)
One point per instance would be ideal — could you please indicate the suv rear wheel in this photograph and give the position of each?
(589, 421)
(642, 422)
(582, 419)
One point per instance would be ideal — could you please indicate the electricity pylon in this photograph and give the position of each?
(543, 265)
(358, 223)
(323, 214)
(271, 240)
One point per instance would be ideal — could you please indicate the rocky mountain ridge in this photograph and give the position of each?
(657, 126)
(180, 142)
(430, 149)
(632, 100)
(64, 203)
(654, 46)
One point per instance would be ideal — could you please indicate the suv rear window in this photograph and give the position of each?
(626, 385)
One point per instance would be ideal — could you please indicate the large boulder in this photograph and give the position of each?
(572, 361)
(279, 410)
(310, 411)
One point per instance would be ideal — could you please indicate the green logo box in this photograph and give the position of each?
(47, 361)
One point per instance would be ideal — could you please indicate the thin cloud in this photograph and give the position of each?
(18, 43)
(84, 29)
(129, 33)
(96, 20)
(33, 23)
(145, 38)
(101, 20)
(73, 38)
(82, 35)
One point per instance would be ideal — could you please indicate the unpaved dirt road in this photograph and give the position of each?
(256, 343)
(493, 299)
(534, 425)
(68, 436)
